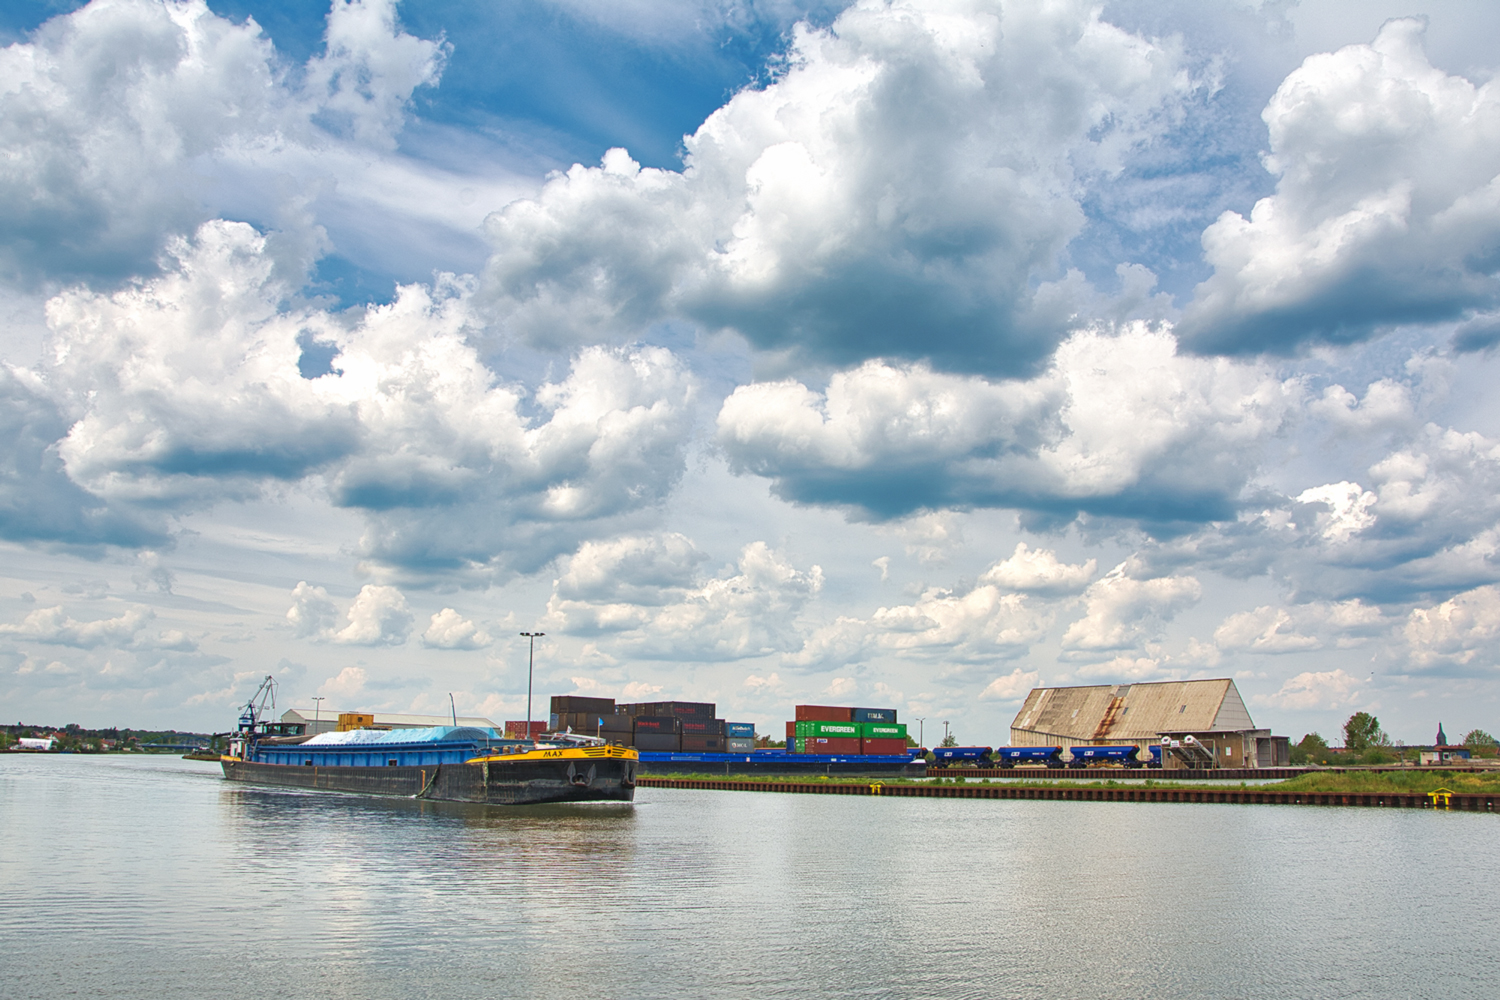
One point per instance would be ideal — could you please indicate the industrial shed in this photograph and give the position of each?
(1212, 711)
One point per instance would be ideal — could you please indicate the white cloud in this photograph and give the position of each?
(1013, 686)
(915, 167)
(1039, 571)
(748, 613)
(186, 389)
(117, 115)
(1461, 630)
(1121, 611)
(1387, 404)
(1117, 424)
(346, 685)
(378, 617)
(1348, 509)
(54, 625)
(312, 612)
(450, 630)
(1387, 205)
(1329, 689)
(1293, 630)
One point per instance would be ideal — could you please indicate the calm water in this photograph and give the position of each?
(154, 878)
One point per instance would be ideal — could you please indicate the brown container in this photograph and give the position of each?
(655, 724)
(517, 730)
(702, 744)
(701, 727)
(824, 713)
(834, 744)
(564, 704)
(791, 731)
(658, 742)
(681, 709)
(891, 746)
(618, 724)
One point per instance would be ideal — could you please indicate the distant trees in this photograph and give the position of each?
(1479, 738)
(1362, 732)
(1311, 749)
(949, 741)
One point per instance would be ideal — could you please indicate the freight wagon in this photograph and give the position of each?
(1009, 757)
(1125, 755)
(961, 756)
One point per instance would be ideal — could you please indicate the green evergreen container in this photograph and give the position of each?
(812, 730)
(882, 730)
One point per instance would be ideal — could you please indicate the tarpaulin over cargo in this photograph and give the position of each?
(430, 734)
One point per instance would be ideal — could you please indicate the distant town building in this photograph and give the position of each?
(1210, 711)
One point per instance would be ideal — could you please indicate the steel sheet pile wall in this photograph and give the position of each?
(662, 726)
(834, 729)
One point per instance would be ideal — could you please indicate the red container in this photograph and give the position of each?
(791, 732)
(824, 713)
(889, 747)
(702, 744)
(517, 730)
(834, 744)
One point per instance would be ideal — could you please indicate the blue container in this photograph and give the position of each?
(874, 715)
(740, 729)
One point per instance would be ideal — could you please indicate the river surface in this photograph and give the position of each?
(152, 877)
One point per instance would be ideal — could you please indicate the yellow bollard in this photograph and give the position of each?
(1441, 798)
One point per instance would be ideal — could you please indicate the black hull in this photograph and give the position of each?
(847, 768)
(508, 784)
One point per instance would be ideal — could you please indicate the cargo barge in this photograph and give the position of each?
(444, 763)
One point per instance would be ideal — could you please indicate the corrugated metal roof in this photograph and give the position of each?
(1124, 712)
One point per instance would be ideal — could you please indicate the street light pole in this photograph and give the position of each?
(530, 663)
(317, 710)
(945, 733)
(921, 728)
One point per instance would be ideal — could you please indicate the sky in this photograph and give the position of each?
(901, 354)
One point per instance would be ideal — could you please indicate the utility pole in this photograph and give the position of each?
(945, 732)
(921, 728)
(453, 708)
(530, 663)
(317, 709)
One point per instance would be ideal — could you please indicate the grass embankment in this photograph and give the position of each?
(1414, 782)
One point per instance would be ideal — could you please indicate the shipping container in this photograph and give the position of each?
(700, 727)
(658, 742)
(791, 731)
(655, 724)
(562, 704)
(618, 723)
(739, 744)
(883, 730)
(832, 744)
(517, 730)
(849, 730)
(681, 709)
(874, 715)
(883, 746)
(702, 744)
(824, 713)
(740, 729)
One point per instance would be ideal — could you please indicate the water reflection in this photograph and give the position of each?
(133, 877)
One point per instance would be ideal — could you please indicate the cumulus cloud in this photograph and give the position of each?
(186, 389)
(110, 112)
(450, 630)
(55, 626)
(1121, 611)
(1013, 686)
(748, 612)
(378, 617)
(1039, 571)
(1459, 631)
(1348, 509)
(1386, 210)
(1293, 630)
(346, 684)
(1117, 425)
(312, 613)
(905, 188)
(1328, 689)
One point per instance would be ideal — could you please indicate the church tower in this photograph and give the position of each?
(1442, 740)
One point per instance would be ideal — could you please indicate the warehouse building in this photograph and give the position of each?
(1206, 720)
(326, 720)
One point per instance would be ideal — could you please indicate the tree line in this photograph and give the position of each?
(1366, 743)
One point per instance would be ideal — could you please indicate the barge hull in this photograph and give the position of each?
(509, 784)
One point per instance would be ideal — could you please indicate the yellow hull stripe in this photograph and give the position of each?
(562, 753)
